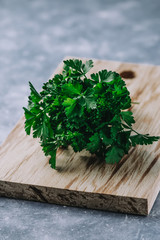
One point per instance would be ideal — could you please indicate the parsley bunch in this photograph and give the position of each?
(84, 112)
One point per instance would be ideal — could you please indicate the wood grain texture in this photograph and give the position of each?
(130, 186)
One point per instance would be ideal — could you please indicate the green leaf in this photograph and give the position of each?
(143, 139)
(81, 101)
(90, 102)
(90, 99)
(128, 117)
(50, 149)
(87, 66)
(105, 139)
(45, 130)
(94, 143)
(57, 79)
(68, 102)
(52, 160)
(41, 127)
(28, 125)
(114, 154)
(106, 76)
(71, 90)
(126, 104)
(116, 126)
(70, 106)
(28, 114)
(34, 94)
(37, 132)
(75, 64)
(95, 77)
(30, 117)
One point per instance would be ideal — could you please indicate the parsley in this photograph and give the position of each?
(84, 112)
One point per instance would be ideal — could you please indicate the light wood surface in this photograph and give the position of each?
(130, 186)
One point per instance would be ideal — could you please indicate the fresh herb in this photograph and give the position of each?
(84, 112)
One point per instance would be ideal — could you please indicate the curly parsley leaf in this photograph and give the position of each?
(143, 139)
(71, 90)
(35, 96)
(94, 143)
(70, 106)
(128, 117)
(114, 154)
(87, 66)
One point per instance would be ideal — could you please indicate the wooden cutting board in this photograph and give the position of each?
(130, 186)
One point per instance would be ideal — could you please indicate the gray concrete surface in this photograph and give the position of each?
(35, 35)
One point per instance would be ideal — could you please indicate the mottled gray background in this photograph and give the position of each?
(34, 37)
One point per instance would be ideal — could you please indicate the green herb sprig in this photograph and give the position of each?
(84, 112)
